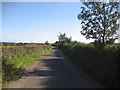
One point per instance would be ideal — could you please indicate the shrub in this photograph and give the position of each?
(101, 63)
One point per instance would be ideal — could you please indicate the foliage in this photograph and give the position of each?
(99, 21)
(18, 44)
(56, 43)
(63, 38)
(16, 58)
(47, 43)
(101, 64)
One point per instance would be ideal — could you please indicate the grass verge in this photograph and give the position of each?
(12, 69)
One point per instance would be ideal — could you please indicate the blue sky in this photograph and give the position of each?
(40, 21)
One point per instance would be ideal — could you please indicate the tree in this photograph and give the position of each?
(47, 43)
(63, 38)
(99, 21)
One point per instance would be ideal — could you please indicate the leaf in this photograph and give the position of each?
(94, 19)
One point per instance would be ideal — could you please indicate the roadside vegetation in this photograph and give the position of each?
(101, 64)
(101, 58)
(15, 59)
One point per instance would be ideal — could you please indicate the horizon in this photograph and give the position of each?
(41, 21)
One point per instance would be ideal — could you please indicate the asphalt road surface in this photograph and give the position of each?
(54, 70)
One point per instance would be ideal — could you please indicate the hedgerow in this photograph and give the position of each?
(101, 63)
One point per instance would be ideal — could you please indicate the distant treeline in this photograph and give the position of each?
(19, 44)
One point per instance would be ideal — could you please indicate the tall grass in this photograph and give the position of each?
(16, 58)
(102, 64)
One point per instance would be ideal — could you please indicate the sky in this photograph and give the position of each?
(40, 21)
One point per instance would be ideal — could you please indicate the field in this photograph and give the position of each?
(103, 64)
(16, 58)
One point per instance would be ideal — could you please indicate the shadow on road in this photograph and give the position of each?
(56, 72)
(53, 71)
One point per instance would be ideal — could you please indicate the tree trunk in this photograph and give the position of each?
(104, 15)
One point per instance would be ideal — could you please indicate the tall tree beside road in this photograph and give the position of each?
(100, 21)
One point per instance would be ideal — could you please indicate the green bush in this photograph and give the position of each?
(101, 63)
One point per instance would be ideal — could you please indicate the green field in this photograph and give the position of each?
(15, 59)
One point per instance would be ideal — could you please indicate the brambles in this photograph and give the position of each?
(16, 58)
(101, 63)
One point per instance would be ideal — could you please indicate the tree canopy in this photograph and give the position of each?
(100, 21)
(63, 38)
